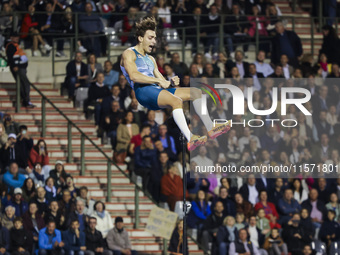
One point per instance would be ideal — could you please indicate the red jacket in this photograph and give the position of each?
(172, 187)
(259, 205)
(26, 25)
(36, 158)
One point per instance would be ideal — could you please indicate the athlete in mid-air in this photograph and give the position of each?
(153, 91)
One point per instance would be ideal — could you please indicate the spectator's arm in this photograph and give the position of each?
(232, 249)
(43, 242)
(9, 180)
(32, 158)
(197, 211)
(111, 242)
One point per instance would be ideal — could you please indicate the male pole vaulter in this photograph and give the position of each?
(153, 91)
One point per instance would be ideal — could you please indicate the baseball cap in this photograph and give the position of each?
(17, 191)
(12, 136)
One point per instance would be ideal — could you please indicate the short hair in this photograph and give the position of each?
(167, 64)
(51, 221)
(74, 220)
(83, 188)
(98, 202)
(92, 218)
(9, 207)
(145, 126)
(146, 136)
(17, 219)
(147, 23)
(22, 127)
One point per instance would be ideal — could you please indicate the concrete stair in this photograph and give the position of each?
(95, 178)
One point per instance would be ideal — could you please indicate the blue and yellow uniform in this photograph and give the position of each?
(146, 94)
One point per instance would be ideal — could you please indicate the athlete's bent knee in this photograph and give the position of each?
(195, 93)
(176, 103)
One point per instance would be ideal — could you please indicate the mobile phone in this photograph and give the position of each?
(42, 148)
(24, 132)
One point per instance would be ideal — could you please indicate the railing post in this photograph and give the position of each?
(165, 246)
(136, 207)
(109, 191)
(43, 117)
(76, 31)
(294, 5)
(320, 15)
(69, 142)
(198, 30)
(108, 37)
(53, 65)
(82, 155)
(312, 36)
(257, 37)
(18, 105)
(336, 25)
(183, 44)
(73, 47)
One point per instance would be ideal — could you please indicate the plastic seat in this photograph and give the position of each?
(179, 209)
(81, 95)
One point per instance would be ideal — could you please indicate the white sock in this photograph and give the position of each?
(197, 103)
(181, 122)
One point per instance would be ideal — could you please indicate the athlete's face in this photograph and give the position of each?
(148, 41)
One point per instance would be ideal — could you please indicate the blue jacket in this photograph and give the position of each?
(72, 243)
(145, 158)
(20, 209)
(4, 238)
(198, 214)
(9, 180)
(223, 235)
(285, 208)
(43, 239)
(90, 24)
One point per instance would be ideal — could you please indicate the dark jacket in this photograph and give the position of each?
(329, 228)
(308, 227)
(213, 222)
(223, 235)
(21, 155)
(74, 216)
(71, 71)
(94, 240)
(229, 206)
(28, 224)
(20, 209)
(144, 158)
(198, 213)
(20, 238)
(72, 243)
(4, 238)
(49, 216)
(294, 243)
(96, 92)
(319, 204)
(330, 46)
(174, 241)
(232, 27)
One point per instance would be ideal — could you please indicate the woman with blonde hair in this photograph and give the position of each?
(226, 234)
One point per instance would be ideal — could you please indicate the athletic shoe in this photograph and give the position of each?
(60, 54)
(47, 47)
(82, 49)
(219, 129)
(30, 105)
(35, 53)
(196, 141)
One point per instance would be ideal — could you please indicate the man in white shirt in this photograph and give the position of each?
(287, 69)
(243, 67)
(261, 66)
(256, 237)
(201, 159)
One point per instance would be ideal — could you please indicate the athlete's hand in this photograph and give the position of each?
(175, 81)
(164, 84)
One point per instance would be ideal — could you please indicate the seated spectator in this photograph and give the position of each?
(139, 115)
(271, 140)
(88, 202)
(18, 203)
(276, 193)
(287, 206)
(66, 204)
(242, 245)
(180, 68)
(306, 223)
(74, 239)
(53, 213)
(228, 204)
(294, 236)
(104, 221)
(38, 175)
(71, 187)
(93, 68)
(274, 243)
(244, 141)
(250, 190)
(20, 239)
(243, 206)
(51, 191)
(41, 201)
(76, 75)
(95, 243)
(11, 152)
(321, 126)
(33, 221)
(255, 235)
(107, 101)
(50, 242)
(39, 155)
(91, 25)
(324, 188)
(28, 190)
(59, 175)
(118, 239)
(300, 194)
(167, 140)
(176, 240)
(262, 222)
(172, 187)
(4, 241)
(7, 218)
(329, 231)
(78, 215)
(200, 210)
(334, 205)
(261, 66)
(240, 221)
(227, 233)
(211, 225)
(316, 207)
(151, 115)
(125, 132)
(96, 93)
(269, 208)
(111, 76)
(137, 140)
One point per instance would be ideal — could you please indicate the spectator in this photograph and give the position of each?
(51, 191)
(320, 103)
(168, 72)
(96, 94)
(95, 244)
(50, 242)
(11, 153)
(125, 132)
(10, 125)
(153, 124)
(91, 25)
(329, 44)
(286, 68)
(88, 202)
(199, 212)
(243, 206)
(261, 66)
(334, 205)
(137, 140)
(71, 187)
(28, 190)
(32, 221)
(107, 101)
(287, 206)
(76, 75)
(211, 226)
(39, 155)
(300, 194)
(25, 144)
(262, 223)
(78, 215)
(18, 203)
(104, 221)
(3, 135)
(6, 18)
(271, 140)
(20, 239)
(129, 25)
(66, 204)
(242, 246)
(164, 13)
(288, 43)
(4, 241)
(176, 241)
(316, 207)
(180, 68)
(243, 67)
(274, 244)
(269, 208)
(260, 22)
(254, 78)
(7, 219)
(228, 204)
(294, 235)
(255, 235)
(41, 201)
(307, 224)
(227, 233)
(93, 68)
(111, 76)
(212, 33)
(250, 190)
(322, 151)
(111, 121)
(168, 141)
(329, 231)
(54, 214)
(74, 239)
(118, 239)
(321, 127)
(59, 175)
(243, 142)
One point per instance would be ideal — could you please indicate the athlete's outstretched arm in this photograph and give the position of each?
(129, 64)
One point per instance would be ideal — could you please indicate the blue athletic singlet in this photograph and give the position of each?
(146, 94)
